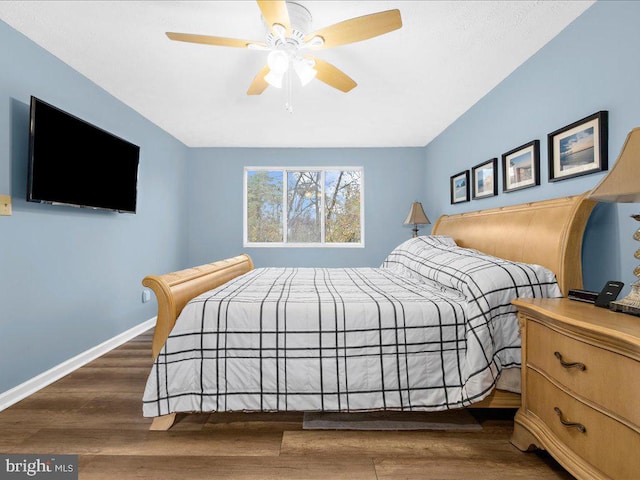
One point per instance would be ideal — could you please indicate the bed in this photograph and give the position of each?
(432, 328)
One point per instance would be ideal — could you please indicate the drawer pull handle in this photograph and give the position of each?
(578, 365)
(581, 428)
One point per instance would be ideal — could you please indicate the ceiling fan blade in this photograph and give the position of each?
(208, 40)
(259, 83)
(358, 29)
(332, 76)
(275, 12)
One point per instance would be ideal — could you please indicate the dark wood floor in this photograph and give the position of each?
(96, 413)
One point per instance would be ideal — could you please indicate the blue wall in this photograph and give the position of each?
(70, 278)
(592, 65)
(392, 181)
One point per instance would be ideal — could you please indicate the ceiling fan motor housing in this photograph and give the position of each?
(300, 22)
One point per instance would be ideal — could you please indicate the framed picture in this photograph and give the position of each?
(521, 167)
(484, 179)
(460, 187)
(580, 148)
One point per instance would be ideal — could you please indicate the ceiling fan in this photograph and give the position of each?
(289, 40)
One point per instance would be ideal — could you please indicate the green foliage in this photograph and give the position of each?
(342, 208)
(303, 200)
(264, 207)
(342, 217)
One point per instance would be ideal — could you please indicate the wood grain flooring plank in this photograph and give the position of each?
(226, 468)
(141, 443)
(271, 421)
(12, 436)
(89, 379)
(114, 410)
(90, 373)
(142, 346)
(510, 466)
(189, 422)
(124, 358)
(53, 401)
(27, 418)
(142, 354)
(381, 443)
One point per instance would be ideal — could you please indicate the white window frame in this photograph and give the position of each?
(322, 243)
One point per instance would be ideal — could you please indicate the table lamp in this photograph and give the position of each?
(416, 217)
(622, 185)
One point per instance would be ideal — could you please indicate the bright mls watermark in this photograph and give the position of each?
(45, 467)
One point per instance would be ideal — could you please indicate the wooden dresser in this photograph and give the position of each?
(580, 387)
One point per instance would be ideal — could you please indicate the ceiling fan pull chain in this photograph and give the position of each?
(289, 103)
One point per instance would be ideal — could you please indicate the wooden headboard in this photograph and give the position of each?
(547, 233)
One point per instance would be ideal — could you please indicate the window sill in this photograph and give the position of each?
(303, 245)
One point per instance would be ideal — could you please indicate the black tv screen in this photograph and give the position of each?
(72, 162)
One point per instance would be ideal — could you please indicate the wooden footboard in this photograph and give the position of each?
(174, 290)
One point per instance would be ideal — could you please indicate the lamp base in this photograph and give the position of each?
(630, 303)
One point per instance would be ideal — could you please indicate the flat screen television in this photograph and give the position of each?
(72, 162)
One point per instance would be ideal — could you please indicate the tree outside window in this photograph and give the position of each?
(303, 207)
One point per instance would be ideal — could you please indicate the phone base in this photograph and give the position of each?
(582, 295)
(630, 303)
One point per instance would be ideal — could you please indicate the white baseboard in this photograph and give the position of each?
(31, 386)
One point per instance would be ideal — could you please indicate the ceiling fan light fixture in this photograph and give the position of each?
(305, 71)
(278, 61)
(274, 79)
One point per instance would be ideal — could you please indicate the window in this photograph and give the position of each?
(303, 207)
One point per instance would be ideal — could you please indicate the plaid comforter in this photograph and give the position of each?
(431, 329)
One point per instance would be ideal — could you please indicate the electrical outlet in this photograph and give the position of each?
(5, 205)
(146, 295)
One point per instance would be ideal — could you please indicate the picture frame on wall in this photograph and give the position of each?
(580, 148)
(484, 181)
(521, 167)
(459, 185)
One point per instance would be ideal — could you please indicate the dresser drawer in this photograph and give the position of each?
(605, 375)
(608, 445)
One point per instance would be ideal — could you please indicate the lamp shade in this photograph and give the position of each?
(622, 183)
(305, 71)
(416, 215)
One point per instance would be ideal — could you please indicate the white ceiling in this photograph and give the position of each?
(412, 82)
